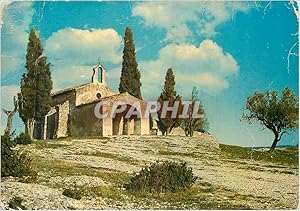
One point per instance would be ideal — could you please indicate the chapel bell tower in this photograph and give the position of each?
(98, 74)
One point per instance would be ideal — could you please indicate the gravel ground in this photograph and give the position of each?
(274, 187)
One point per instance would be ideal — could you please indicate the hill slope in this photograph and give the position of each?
(99, 167)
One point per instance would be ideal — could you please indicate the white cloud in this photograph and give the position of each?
(175, 17)
(16, 18)
(69, 44)
(206, 66)
(73, 52)
(66, 75)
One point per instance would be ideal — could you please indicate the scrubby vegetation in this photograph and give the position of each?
(162, 177)
(75, 193)
(16, 203)
(23, 138)
(287, 156)
(78, 192)
(13, 163)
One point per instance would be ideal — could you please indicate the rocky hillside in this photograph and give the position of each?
(99, 168)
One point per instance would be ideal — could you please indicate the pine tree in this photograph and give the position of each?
(36, 84)
(166, 124)
(130, 75)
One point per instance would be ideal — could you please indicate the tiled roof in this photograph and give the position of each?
(126, 97)
(67, 89)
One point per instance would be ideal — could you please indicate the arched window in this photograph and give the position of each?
(100, 74)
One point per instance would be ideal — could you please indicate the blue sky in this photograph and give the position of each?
(228, 50)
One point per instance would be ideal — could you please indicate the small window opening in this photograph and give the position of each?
(98, 95)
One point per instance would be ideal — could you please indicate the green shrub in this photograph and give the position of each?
(23, 138)
(16, 203)
(13, 163)
(162, 177)
(75, 193)
(78, 192)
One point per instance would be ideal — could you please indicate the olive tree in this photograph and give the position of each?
(276, 113)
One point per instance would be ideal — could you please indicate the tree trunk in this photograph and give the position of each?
(190, 130)
(10, 115)
(170, 129)
(186, 132)
(26, 127)
(166, 131)
(276, 140)
(192, 133)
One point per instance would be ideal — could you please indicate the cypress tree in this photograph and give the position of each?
(166, 124)
(130, 75)
(36, 84)
(169, 93)
(191, 123)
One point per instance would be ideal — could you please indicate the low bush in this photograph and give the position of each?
(75, 193)
(283, 156)
(162, 177)
(16, 203)
(23, 138)
(13, 163)
(78, 192)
